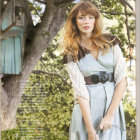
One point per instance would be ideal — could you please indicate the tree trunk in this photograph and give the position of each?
(13, 85)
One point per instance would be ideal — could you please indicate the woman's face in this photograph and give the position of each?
(85, 23)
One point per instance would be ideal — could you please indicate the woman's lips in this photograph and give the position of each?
(86, 27)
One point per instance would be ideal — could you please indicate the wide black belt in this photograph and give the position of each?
(101, 77)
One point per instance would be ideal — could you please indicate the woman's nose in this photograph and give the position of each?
(86, 20)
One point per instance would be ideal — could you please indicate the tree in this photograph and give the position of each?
(38, 39)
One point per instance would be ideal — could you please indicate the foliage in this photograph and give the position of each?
(130, 116)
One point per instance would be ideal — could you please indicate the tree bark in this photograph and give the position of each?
(42, 35)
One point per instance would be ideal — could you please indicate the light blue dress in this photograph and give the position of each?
(100, 99)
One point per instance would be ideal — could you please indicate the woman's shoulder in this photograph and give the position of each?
(67, 58)
(81, 53)
(112, 38)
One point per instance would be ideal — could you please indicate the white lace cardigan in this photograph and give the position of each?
(77, 78)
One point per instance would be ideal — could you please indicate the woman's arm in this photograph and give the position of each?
(85, 109)
(107, 121)
(81, 93)
(120, 78)
(77, 79)
(118, 95)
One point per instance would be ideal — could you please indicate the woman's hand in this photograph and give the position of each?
(106, 122)
(97, 138)
(93, 136)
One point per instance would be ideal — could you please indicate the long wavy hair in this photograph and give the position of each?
(71, 34)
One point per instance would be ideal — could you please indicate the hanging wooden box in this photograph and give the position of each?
(12, 47)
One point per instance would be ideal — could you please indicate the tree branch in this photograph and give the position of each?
(127, 29)
(116, 13)
(43, 58)
(128, 35)
(52, 74)
(40, 1)
(44, 64)
(30, 21)
(59, 2)
(124, 2)
(36, 11)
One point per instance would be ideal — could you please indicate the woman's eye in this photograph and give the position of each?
(81, 17)
(91, 17)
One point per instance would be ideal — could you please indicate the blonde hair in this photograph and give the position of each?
(71, 32)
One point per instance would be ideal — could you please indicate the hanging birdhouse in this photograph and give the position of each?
(19, 12)
(13, 29)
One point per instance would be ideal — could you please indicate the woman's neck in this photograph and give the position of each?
(85, 36)
(85, 42)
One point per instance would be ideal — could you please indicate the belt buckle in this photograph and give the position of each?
(103, 77)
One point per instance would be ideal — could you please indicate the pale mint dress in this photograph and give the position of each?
(100, 99)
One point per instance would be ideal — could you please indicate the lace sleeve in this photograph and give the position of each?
(78, 82)
(120, 68)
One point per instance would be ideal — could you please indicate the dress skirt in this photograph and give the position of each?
(100, 98)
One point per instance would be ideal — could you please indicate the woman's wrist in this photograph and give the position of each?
(110, 113)
(92, 135)
(91, 131)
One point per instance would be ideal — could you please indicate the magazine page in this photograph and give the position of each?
(67, 70)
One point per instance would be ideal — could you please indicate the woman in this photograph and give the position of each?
(97, 69)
